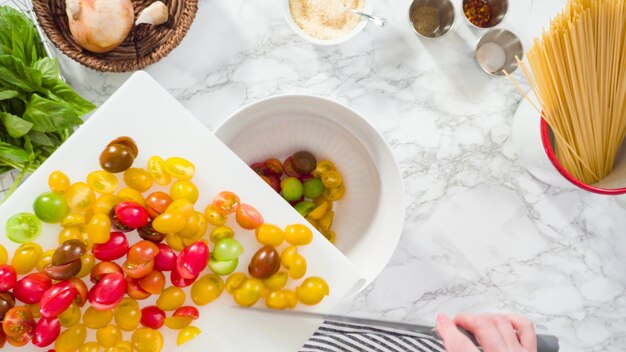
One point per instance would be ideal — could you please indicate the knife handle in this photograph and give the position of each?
(545, 343)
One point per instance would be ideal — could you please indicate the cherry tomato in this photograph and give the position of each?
(66, 260)
(108, 292)
(58, 182)
(109, 336)
(195, 227)
(180, 281)
(153, 283)
(291, 189)
(156, 168)
(304, 162)
(98, 229)
(277, 281)
(71, 316)
(46, 331)
(274, 167)
(23, 227)
(226, 203)
(192, 260)
(180, 168)
(80, 197)
(323, 166)
(81, 291)
(25, 257)
(221, 232)
(31, 287)
(207, 289)
(294, 262)
(128, 194)
(234, 281)
(157, 203)
(281, 299)
(147, 340)
(166, 259)
(313, 188)
(140, 259)
(18, 325)
(96, 319)
(74, 220)
(89, 347)
(289, 169)
(248, 217)
(119, 155)
(8, 277)
(7, 301)
(115, 248)
(102, 269)
(51, 207)
(104, 204)
(134, 290)
(71, 339)
(71, 233)
(169, 223)
(227, 249)
(270, 235)
(223, 267)
(187, 334)
(249, 292)
(177, 323)
(175, 242)
(128, 314)
(152, 317)
(312, 290)
(131, 214)
(184, 190)
(4, 255)
(298, 235)
(102, 182)
(57, 299)
(171, 298)
(264, 263)
(138, 179)
(334, 194)
(148, 233)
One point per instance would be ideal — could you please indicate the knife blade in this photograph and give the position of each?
(545, 343)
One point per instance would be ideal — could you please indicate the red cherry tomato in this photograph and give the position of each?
(192, 260)
(18, 325)
(102, 269)
(152, 317)
(157, 203)
(57, 299)
(31, 287)
(134, 290)
(248, 217)
(46, 332)
(8, 277)
(131, 214)
(179, 281)
(226, 202)
(108, 292)
(115, 248)
(166, 259)
(187, 311)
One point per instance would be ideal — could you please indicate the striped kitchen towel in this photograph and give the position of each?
(344, 337)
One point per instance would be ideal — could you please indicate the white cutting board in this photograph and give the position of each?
(162, 126)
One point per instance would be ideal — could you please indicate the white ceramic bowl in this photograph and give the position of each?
(369, 6)
(369, 219)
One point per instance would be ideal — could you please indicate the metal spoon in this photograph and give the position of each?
(379, 21)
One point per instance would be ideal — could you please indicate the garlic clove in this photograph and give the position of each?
(155, 14)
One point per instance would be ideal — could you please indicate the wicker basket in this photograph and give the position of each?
(144, 46)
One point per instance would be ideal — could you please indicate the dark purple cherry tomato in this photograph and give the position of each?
(148, 233)
(6, 302)
(264, 263)
(119, 155)
(304, 162)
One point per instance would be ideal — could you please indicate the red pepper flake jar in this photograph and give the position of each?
(478, 12)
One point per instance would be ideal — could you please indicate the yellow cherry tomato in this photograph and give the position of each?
(195, 227)
(323, 166)
(221, 232)
(175, 241)
(319, 211)
(109, 336)
(71, 339)
(58, 182)
(128, 194)
(187, 334)
(104, 204)
(298, 235)
(102, 182)
(312, 290)
(88, 261)
(4, 255)
(89, 347)
(335, 194)
(71, 233)
(147, 340)
(277, 281)
(214, 217)
(181, 206)
(327, 221)
(177, 323)
(25, 257)
(281, 299)
(207, 289)
(184, 190)
(169, 223)
(295, 263)
(156, 168)
(122, 346)
(96, 319)
(71, 316)
(331, 179)
(98, 229)
(80, 197)
(270, 235)
(180, 168)
(35, 310)
(234, 282)
(127, 314)
(138, 179)
(44, 259)
(171, 298)
(74, 220)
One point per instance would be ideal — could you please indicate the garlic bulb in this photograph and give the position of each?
(100, 25)
(154, 14)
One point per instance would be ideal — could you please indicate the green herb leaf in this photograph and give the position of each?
(48, 67)
(14, 74)
(42, 139)
(50, 116)
(61, 92)
(8, 94)
(13, 155)
(16, 126)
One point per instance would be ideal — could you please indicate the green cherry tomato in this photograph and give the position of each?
(51, 207)
(291, 189)
(23, 227)
(304, 208)
(225, 267)
(313, 188)
(227, 249)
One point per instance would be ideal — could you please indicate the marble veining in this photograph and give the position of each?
(481, 234)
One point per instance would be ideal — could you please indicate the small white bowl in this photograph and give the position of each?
(369, 219)
(369, 6)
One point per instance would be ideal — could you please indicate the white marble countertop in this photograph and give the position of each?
(481, 234)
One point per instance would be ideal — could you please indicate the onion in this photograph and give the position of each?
(100, 25)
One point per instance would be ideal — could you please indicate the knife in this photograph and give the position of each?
(545, 343)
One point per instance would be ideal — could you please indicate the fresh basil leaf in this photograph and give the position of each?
(13, 154)
(15, 126)
(16, 75)
(48, 67)
(8, 94)
(50, 116)
(61, 92)
(43, 139)
(19, 35)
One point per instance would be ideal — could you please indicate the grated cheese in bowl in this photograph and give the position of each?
(326, 19)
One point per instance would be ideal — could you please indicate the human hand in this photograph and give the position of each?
(494, 333)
